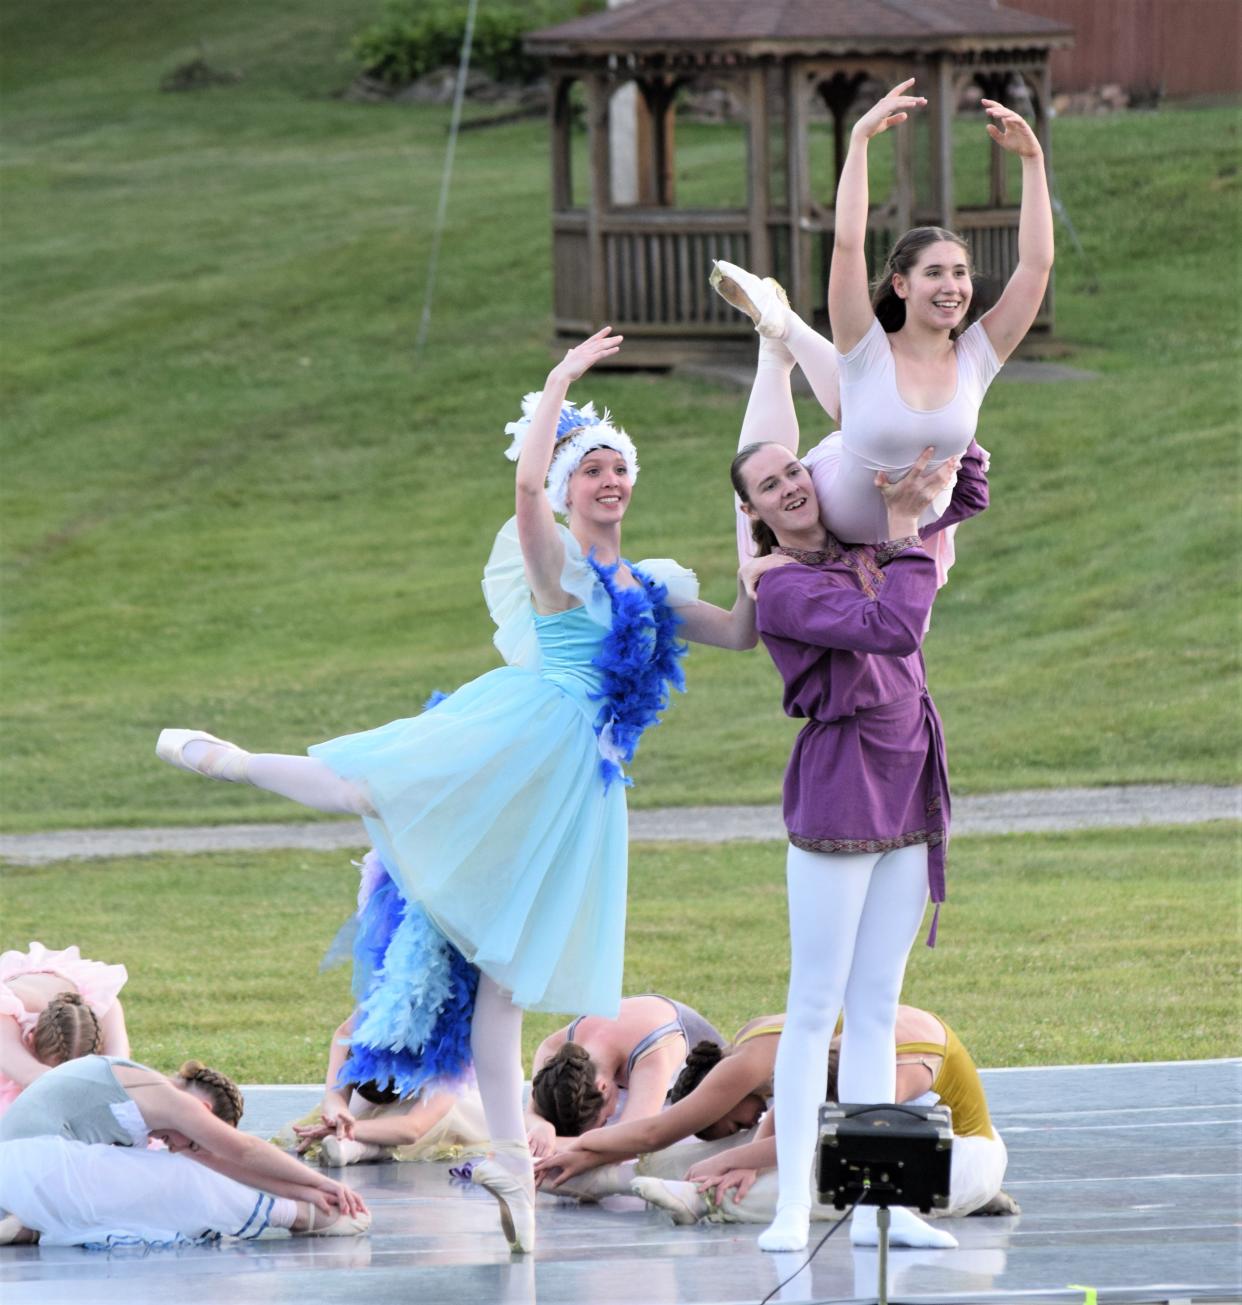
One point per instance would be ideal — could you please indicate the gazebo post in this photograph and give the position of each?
(903, 161)
(559, 126)
(942, 134)
(595, 86)
(798, 186)
(758, 167)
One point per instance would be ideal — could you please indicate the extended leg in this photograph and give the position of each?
(302, 779)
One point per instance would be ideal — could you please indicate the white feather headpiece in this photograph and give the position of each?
(578, 431)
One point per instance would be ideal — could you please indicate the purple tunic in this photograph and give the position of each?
(844, 627)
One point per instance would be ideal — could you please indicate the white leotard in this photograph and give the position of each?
(881, 432)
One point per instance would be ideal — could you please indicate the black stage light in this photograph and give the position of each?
(884, 1155)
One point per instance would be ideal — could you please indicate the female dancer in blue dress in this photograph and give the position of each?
(501, 811)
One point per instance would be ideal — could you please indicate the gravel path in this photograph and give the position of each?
(1033, 810)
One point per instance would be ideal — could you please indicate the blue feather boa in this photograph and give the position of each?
(639, 660)
(415, 994)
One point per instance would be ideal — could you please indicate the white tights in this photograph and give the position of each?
(301, 779)
(852, 920)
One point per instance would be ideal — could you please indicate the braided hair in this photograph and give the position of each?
(219, 1091)
(66, 1029)
(703, 1058)
(564, 1091)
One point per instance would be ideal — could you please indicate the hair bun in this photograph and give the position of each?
(191, 1069)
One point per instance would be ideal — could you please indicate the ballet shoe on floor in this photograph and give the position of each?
(13, 1232)
(516, 1199)
(337, 1152)
(763, 300)
(228, 765)
(346, 1225)
(1001, 1204)
(680, 1200)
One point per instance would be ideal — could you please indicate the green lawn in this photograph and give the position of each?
(1054, 949)
(231, 501)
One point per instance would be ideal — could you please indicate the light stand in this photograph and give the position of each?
(884, 1155)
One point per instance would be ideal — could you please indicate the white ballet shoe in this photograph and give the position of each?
(12, 1230)
(789, 1231)
(762, 300)
(516, 1198)
(337, 1152)
(681, 1201)
(346, 1225)
(227, 765)
(907, 1229)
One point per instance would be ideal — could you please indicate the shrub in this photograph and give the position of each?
(412, 37)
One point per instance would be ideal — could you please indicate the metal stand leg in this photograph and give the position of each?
(883, 1219)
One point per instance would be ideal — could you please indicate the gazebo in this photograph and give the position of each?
(640, 262)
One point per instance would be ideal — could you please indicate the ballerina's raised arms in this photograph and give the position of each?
(908, 375)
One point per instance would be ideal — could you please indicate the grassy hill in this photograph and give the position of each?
(231, 500)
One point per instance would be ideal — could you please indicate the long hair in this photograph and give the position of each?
(763, 535)
(887, 304)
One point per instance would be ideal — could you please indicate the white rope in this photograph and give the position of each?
(459, 95)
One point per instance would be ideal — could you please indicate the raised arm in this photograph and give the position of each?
(849, 296)
(542, 550)
(1011, 317)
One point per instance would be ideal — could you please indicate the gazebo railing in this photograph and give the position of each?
(656, 265)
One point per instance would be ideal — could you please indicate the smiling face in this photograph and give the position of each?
(937, 289)
(776, 488)
(599, 489)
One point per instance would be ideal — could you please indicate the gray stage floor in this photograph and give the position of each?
(1128, 1177)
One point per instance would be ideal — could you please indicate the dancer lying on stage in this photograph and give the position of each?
(740, 1185)
(579, 1071)
(866, 793)
(904, 374)
(398, 1084)
(74, 1163)
(501, 811)
(720, 1096)
(55, 1006)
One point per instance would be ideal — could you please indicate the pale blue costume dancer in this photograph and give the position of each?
(501, 811)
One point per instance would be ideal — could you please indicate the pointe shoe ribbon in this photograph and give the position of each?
(762, 300)
(228, 765)
(515, 1196)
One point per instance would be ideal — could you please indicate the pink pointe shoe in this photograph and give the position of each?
(762, 300)
(228, 764)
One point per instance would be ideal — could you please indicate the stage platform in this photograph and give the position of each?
(1128, 1177)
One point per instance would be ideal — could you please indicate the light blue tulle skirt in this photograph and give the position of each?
(491, 812)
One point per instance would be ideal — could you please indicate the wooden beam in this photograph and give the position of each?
(596, 88)
(942, 135)
(758, 160)
(797, 171)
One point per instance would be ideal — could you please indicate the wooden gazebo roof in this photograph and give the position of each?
(802, 27)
